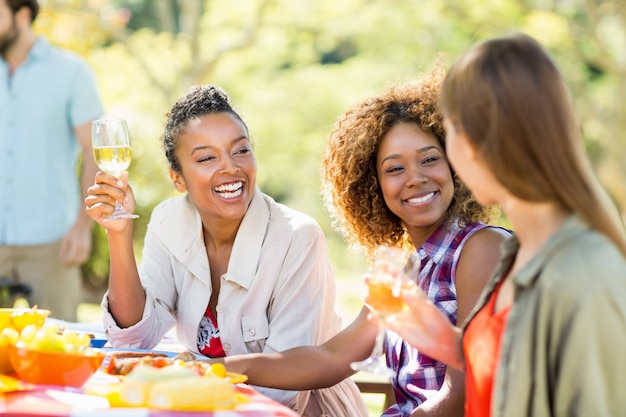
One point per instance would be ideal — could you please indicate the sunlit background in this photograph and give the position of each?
(293, 66)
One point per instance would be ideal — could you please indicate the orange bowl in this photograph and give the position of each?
(54, 368)
(5, 364)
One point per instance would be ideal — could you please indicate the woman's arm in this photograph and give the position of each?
(309, 367)
(479, 257)
(126, 295)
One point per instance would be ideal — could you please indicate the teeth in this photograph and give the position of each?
(231, 195)
(231, 190)
(229, 187)
(421, 199)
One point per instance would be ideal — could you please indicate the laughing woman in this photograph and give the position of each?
(233, 270)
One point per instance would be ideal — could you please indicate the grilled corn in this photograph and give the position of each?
(137, 384)
(193, 394)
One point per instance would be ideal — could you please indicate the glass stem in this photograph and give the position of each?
(119, 208)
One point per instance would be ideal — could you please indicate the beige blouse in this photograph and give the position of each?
(278, 292)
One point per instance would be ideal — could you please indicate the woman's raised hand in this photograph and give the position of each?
(102, 196)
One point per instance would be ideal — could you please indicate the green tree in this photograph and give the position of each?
(293, 67)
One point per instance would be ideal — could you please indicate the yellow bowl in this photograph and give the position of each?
(54, 368)
(17, 319)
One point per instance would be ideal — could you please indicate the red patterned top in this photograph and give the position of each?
(209, 343)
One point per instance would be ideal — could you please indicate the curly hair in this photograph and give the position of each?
(351, 191)
(197, 101)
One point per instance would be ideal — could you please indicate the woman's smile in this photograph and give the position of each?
(421, 200)
(230, 190)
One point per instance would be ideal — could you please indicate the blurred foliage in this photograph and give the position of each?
(292, 67)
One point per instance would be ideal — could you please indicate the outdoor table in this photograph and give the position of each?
(48, 401)
(57, 401)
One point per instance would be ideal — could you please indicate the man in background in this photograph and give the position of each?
(48, 98)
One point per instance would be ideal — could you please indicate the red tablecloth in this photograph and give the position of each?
(59, 402)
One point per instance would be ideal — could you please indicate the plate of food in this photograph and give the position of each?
(120, 362)
(167, 380)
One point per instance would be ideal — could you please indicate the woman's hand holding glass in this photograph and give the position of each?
(394, 271)
(104, 195)
(424, 326)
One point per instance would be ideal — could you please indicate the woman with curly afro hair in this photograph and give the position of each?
(352, 185)
(387, 181)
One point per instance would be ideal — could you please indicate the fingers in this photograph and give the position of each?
(99, 205)
(103, 196)
(104, 178)
(414, 298)
(106, 191)
(371, 315)
(367, 277)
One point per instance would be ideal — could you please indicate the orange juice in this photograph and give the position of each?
(384, 298)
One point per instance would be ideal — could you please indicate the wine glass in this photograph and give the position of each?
(394, 270)
(113, 153)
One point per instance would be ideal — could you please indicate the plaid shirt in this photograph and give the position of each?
(418, 376)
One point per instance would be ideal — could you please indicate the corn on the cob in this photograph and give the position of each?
(193, 394)
(137, 384)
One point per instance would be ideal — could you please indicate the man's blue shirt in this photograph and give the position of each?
(52, 92)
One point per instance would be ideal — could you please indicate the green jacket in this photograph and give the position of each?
(563, 352)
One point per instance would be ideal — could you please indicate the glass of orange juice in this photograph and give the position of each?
(393, 271)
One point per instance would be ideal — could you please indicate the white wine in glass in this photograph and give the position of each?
(394, 270)
(113, 153)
